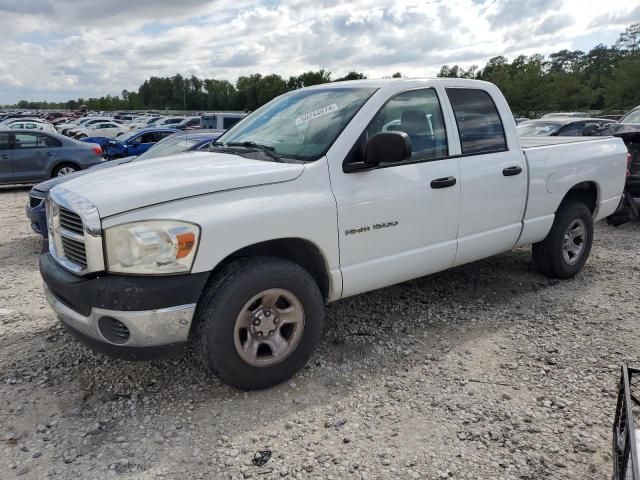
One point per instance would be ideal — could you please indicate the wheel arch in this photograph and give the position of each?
(586, 192)
(300, 251)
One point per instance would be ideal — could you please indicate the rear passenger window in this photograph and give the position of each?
(5, 143)
(46, 141)
(479, 123)
(228, 122)
(416, 113)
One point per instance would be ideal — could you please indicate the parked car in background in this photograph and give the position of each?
(628, 128)
(31, 125)
(565, 114)
(27, 157)
(102, 141)
(631, 117)
(73, 131)
(107, 129)
(176, 143)
(188, 122)
(220, 121)
(61, 120)
(10, 121)
(563, 127)
(136, 142)
(81, 122)
(167, 121)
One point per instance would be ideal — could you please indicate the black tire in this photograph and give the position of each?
(60, 168)
(548, 255)
(223, 300)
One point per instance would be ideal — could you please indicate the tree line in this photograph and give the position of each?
(604, 78)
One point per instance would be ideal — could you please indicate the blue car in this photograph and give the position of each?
(176, 143)
(137, 142)
(102, 141)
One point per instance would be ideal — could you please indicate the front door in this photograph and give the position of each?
(399, 221)
(493, 178)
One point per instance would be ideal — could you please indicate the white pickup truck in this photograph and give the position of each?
(323, 193)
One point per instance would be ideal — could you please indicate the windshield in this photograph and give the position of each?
(301, 124)
(632, 117)
(170, 146)
(534, 129)
(128, 136)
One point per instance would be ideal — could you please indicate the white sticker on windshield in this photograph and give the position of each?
(317, 113)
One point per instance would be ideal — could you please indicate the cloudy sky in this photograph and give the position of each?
(61, 49)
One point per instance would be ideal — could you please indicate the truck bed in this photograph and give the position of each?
(539, 141)
(555, 164)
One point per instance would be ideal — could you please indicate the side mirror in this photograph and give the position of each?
(383, 147)
(387, 147)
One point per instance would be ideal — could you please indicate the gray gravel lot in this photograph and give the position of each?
(486, 371)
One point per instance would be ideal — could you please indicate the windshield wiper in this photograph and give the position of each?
(263, 148)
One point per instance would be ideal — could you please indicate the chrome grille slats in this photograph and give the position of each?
(75, 234)
(71, 221)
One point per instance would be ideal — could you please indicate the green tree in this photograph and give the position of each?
(353, 75)
(630, 39)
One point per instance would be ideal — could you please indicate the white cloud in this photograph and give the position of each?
(57, 49)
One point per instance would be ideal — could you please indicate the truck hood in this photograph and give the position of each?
(140, 184)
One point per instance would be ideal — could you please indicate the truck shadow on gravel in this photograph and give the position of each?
(369, 327)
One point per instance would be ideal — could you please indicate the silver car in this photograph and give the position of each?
(28, 157)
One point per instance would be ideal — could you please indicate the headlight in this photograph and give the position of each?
(153, 247)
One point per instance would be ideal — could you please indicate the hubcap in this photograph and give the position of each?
(269, 327)
(574, 242)
(66, 171)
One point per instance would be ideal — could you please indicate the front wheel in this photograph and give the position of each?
(566, 249)
(258, 322)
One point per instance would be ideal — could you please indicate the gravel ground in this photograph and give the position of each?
(485, 371)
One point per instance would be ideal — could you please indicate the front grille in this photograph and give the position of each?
(75, 241)
(74, 251)
(71, 238)
(34, 201)
(71, 221)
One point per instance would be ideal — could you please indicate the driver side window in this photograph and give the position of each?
(418, 114)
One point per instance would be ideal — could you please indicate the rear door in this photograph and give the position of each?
(493, 177)
(31, 157)
(6, 173)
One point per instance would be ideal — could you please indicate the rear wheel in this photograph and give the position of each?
(258, 322)
(64, 169)
(566, 249)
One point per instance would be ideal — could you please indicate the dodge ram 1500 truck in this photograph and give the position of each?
(323, 193)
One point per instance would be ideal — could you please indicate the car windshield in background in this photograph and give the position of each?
(534, 129)
(124, 137)
(170, 146)
(300, 125)
(631, 117)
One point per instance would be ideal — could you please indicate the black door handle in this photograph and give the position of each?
(511, 171)
(443, 182)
